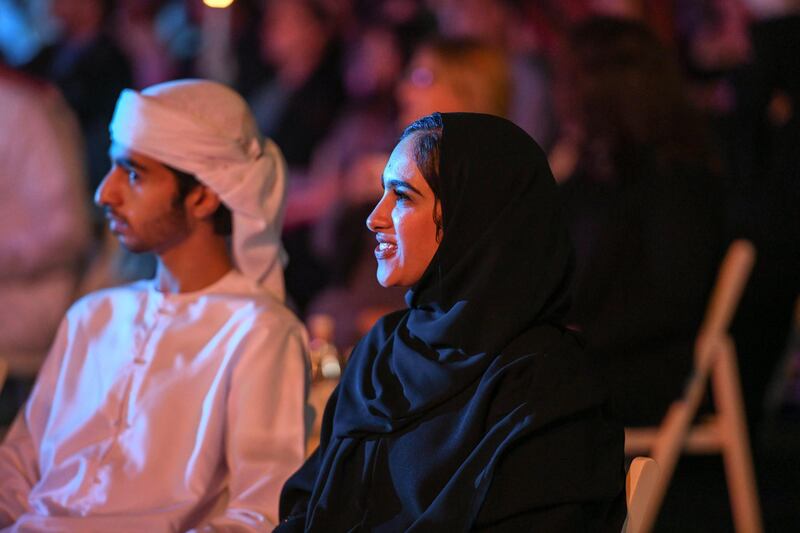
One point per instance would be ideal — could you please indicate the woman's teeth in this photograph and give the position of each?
(385, 249)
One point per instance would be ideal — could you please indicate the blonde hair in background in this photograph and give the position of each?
(477, 72)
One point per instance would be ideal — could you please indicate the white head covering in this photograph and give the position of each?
(206, 129)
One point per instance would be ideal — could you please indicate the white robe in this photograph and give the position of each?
(161, 412)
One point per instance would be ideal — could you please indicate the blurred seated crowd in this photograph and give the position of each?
(672, 127)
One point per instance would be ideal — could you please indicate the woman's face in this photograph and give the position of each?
(403, 221)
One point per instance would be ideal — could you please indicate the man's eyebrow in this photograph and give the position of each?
(128, 163)
(395, 183)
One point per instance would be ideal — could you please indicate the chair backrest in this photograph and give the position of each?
(639, 485)
(734, 271)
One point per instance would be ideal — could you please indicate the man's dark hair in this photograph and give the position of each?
(427, 132)
(223, 223)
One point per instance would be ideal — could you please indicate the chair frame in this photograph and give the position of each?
(725, 431)
(640, 482)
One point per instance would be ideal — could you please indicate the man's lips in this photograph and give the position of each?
(115, 223)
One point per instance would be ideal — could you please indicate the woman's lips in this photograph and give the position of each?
(385, 250)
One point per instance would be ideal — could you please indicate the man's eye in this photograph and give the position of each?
(133, 176)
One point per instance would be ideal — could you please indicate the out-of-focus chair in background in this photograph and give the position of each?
(640, 482)
(725, 431)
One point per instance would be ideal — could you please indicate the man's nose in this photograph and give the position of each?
(105, 193)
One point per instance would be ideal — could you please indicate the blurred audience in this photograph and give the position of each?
(345, 173)
(645, 214)
(366, 125)
(135, 27)
(44, 224)
(298, 103)
(87, 65)
(658, 173)
(296, 106)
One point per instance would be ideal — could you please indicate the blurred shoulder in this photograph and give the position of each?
(108, 298)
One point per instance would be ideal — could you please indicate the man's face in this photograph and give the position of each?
(139, 197)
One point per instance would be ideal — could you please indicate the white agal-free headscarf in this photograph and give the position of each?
(206, 129)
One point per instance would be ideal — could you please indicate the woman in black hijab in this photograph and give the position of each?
(474, 408)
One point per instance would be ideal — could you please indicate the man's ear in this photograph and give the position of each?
(202, 202)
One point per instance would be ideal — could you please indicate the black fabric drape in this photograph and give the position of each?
(474, 407)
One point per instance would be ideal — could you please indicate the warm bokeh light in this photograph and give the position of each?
(217, 3)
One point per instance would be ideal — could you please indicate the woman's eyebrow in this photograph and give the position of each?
(395, 183)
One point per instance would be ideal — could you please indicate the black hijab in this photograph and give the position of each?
(503, 267)
(482, 335)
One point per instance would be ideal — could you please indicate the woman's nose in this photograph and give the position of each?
(379, 219)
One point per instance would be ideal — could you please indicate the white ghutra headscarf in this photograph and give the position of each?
(206, 129)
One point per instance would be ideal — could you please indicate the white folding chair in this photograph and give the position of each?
(725, 431)
(640, 482)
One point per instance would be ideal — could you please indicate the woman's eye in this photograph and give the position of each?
(400, 195)
(132, 176)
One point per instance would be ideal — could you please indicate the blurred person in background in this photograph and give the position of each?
(715, 46)
(87, 65)
(518, 31)
(373, 63)
(135, 27)
(297, 106)
(44, 224)
(447, 75)
(298, 103)
(644, 208)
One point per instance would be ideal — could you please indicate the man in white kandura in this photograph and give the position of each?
(176, 403)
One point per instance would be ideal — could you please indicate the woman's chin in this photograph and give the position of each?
(389, 279)
(385, 281)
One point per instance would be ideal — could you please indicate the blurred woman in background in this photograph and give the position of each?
(645, 213)
(454, 75)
